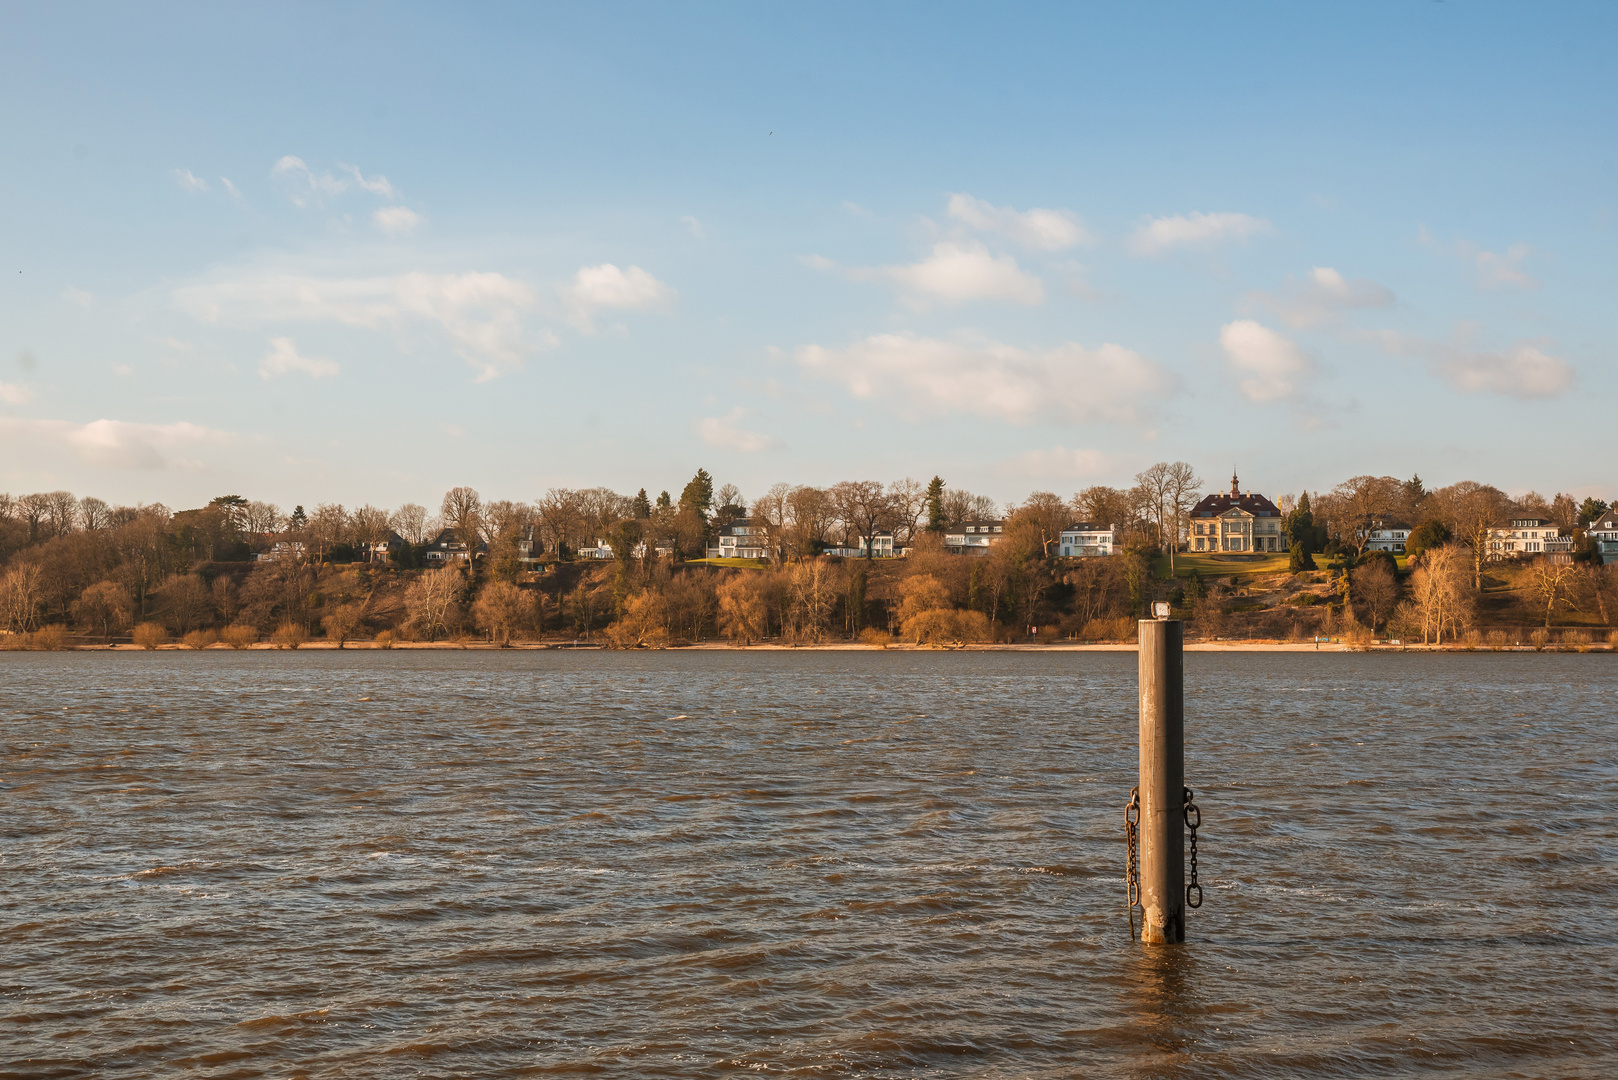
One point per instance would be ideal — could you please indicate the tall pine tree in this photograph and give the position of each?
(935, 506)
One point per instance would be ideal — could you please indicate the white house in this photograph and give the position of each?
(283, 549)
(448, 547)
(974, 537)
(1084, 538)
(743, 538)
(1527, 536)
(883, 549)
(1383, 535)
(1604, 532)
(1236, 522)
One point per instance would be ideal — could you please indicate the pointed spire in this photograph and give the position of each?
(1235, 488)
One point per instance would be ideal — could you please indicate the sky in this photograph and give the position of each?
(362, 253)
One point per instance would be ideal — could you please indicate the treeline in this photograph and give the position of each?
(104, 569)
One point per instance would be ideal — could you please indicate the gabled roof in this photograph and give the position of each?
(1087, 526)
(1606, 522)
(1215, 505)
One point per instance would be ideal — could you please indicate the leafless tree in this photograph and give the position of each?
(1471, 509)
(462, 511)
(410, 522)
(94, 514)
(1442, 600)
(1553, 584)
(105, 605)
(908, 498)
(1182, 489)
(62, 510)
(1041, 519)
(961, 505)
(863, 508)
(1377, 589)
(370, 528)
(1564, 511)
(1358, 502)
(1152, 485)
(262, 518)
(35, 511)
(328, 527)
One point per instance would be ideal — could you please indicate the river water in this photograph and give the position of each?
(487, 864)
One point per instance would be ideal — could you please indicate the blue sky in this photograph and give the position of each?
(364, 253)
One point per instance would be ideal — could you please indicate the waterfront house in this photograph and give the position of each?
(1086, 538)
(974, 537)
(380, 550)
(1382, 534)
(283, 548)
(1239, 521)
(883, 547)
(448, 547)
(1527, 536)
(1604, 533)
(742, 538)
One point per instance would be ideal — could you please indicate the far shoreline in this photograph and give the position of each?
(707, 646)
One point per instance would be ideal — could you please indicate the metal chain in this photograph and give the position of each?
(1131, 820)
(1189, 808)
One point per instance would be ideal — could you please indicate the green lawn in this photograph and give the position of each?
(1223, 565)
(739, 564)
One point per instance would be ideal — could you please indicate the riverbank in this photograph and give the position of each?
(721, 646)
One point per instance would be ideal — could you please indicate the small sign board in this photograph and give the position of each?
(1160, 610)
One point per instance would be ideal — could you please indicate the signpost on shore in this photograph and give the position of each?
(1163, 794)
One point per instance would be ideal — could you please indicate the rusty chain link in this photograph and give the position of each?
(1131, 841)
(1189, 807)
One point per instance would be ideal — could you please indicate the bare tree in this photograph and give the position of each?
(863, 508)
(94, 514)
(410, 522)
(1152, 486)
(1182, 489)
(35, 511)
(1041, 519)
(262, 518)
(908, 498)
(1553, 584)
(370, 527)
(1377, 589)
(328, 527)
(1441, 597)
(1356, 503)
(1471, 509)
(961, 505)
(62, 510)
(462, 510)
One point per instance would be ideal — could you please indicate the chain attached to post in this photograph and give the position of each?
(1193, 821)
(1132, 843)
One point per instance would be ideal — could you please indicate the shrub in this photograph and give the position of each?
(199, 639)
(52, 638)
(1303, 599)
(385, 639)
(239, 635)
(1119, 629)
(1577, 638)
(1496, 639)
(289, 636)
(149, 635)
(872, 636)
(1540, 637)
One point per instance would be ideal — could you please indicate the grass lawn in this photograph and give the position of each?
(739, 564)
(1222, 565)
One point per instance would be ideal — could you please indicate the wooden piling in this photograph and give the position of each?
(1162, 780)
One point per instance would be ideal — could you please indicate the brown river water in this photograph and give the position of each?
(487, 864)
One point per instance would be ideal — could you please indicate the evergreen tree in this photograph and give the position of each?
(664, 502)
(643, 508)
(935, 505)
(1301, 559)
(299, 519)
(1300, 526)
(698, 494)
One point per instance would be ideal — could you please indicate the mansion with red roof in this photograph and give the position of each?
(1235, 522)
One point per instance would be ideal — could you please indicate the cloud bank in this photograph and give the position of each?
(1042, 230)
(1155, 236)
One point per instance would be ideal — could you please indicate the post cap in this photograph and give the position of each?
(1160, 610)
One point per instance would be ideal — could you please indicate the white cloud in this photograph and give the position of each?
(118, 444)
(376, 185)
(726, 433)
(396, 220)
(231, 188)
(1045, 230)
(691, 223)
(606, 286)
(953, 273)
(482, 314)
(305, 187)
(1157, 235)
(15, 393)
(1273, 366)
(189, 182)
(1059, 461)
(1322, 296)
(1496, 271)
(284, 358)
(1524, 372)
(975, 376)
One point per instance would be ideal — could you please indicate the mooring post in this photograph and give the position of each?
(1162, 780)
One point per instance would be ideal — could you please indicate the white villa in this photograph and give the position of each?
(1235, 522)
(1527, 536)
(1086, 538)
(974, 537)
(743, 538)
(1604, 531)
(1381, 535)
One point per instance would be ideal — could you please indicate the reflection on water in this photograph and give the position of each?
(812, 864)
